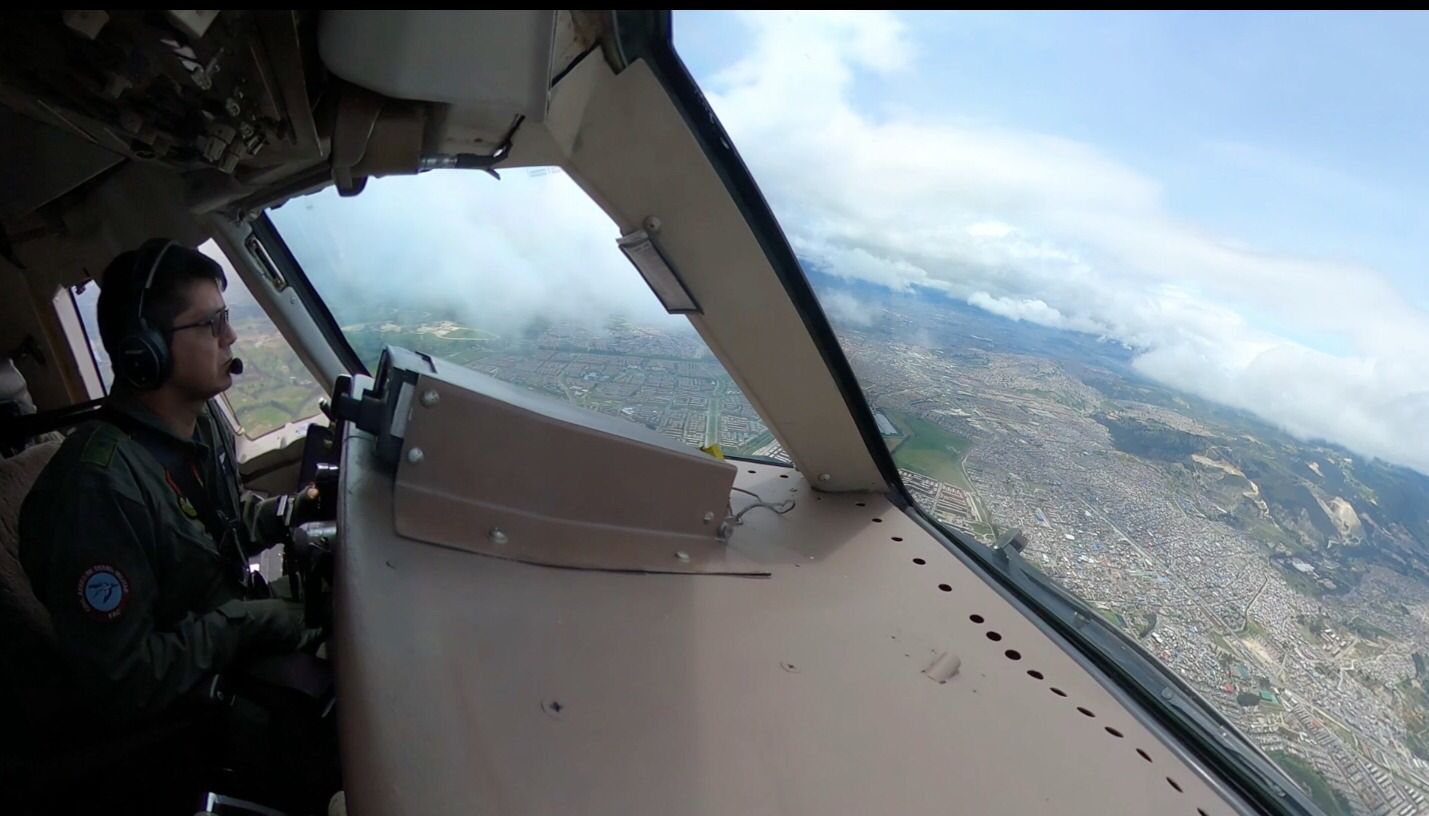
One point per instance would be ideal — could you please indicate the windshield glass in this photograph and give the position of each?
(1148, 288)
(520, 279)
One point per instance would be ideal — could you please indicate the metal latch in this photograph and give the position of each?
(265, 261)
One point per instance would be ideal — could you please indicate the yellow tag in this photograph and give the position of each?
(714, 450)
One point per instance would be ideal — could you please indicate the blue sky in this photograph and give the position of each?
(1242, 197)
(1292, 133)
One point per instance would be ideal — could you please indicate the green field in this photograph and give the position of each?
(927, 449)
(467, 333)
(1330, 800)
(274, 389)
(1220, 641)
(1114, 618)
(1253, 629)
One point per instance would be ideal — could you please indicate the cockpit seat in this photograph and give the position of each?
(24, 619)
(50, 762)
(24, 623)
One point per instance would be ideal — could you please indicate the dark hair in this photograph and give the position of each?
(120, 288)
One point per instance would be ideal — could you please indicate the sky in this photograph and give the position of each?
(1241, 198)
(495, 253)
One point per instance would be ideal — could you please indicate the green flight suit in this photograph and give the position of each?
(133, 539)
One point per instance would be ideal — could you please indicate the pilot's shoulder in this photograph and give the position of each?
(96, 454)
(97, 443)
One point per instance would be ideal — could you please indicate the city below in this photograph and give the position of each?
(1290, 601)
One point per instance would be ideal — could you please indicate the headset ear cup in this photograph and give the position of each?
(144, 361)
(144, 358)
(164, 361)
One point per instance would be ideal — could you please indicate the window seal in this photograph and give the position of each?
(88, 341)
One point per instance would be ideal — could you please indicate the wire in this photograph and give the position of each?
(778, 509)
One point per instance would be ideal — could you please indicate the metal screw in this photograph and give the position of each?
(651, 224)
(1166, 694)
(683, 556)
(824, 477)
(415, 456)
(430, 398)
(497, 536)
(709, 517)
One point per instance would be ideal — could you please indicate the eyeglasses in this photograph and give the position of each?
(217, 323)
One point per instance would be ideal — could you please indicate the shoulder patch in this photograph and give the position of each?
(102, 591)
(99, 448)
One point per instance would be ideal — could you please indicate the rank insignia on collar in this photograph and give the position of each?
(184, 504)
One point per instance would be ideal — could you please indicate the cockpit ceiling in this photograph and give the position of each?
(252, 104)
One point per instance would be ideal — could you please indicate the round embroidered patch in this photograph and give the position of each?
(102, 591)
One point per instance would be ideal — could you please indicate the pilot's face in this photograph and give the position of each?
(201, 359)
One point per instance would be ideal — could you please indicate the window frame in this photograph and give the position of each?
(286, 265)
(1199, 734)
(295, 430)
(296, 277)
(94, 370)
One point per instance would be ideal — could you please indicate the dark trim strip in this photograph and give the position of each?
(89, 341)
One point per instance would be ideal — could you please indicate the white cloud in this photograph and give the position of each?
(1033, 310)
(989, 229)
(497, 253)
(846, 310)
(1046, 229)
(859, 263)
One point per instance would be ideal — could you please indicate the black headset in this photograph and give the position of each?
(144, 361)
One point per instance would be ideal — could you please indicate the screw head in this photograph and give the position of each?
(430, 398)
(651, 224)
(709, 517)
(496, 536)
(824, 477)
(415, 456)
(683, 556)
(1166, 694)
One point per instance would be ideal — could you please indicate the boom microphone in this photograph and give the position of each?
(235, 366)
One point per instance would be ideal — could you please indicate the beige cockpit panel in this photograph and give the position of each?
(870, 672)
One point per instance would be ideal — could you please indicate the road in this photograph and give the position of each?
(1251, 602)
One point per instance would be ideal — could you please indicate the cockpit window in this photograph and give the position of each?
(1146, 290)
(521, 279)
(275, 389)
(86, 304)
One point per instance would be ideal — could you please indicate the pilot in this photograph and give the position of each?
(135, 537)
